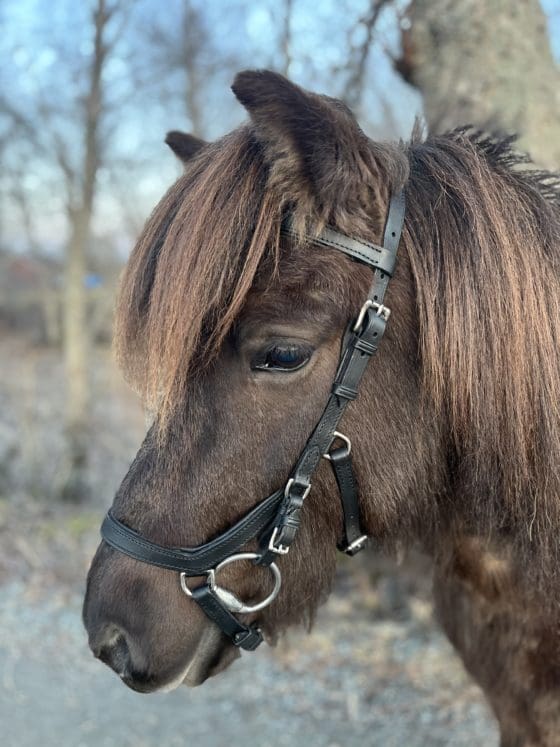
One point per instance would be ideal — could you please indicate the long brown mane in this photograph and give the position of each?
(485, 252)
(483, 240)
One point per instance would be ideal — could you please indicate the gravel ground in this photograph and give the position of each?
(351, 682)
(375, 670)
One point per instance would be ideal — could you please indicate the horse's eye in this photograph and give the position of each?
(282, 357)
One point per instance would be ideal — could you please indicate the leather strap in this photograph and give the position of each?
(193, 561)
(353, 539)
(247, 637)
(363, 251)
(362, 344)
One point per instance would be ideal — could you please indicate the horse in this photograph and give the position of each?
(242, 302)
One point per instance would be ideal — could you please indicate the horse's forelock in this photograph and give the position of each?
(192, 268)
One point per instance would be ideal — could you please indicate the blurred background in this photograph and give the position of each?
(88, 91)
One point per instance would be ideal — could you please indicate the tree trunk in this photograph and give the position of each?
(487, 63)
(193, 37)
(76, 345)
(76, 333)
(286, 38)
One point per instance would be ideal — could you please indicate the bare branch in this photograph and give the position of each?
(355, 83)
(286, 39)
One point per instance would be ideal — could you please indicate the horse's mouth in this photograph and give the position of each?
(202, 669)
(208, 660)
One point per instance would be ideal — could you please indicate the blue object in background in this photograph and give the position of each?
(92, 281)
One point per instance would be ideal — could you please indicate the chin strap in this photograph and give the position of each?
(276, 520)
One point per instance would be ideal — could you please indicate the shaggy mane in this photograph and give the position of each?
(484, 246)
(482, 235)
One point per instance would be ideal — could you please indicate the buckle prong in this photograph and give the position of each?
(278, 549)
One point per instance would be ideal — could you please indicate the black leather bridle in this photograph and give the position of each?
(275, 520)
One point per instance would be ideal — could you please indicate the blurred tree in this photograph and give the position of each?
(359, 54)
(81, 183)
(485, 62)
(286, 38)
(67, 151)
(184, 49)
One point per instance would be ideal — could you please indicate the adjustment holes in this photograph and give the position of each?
(375, 334)
(375, 298)
(393, 234)
(382, 276)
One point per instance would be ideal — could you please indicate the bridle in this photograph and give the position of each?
(274, 522)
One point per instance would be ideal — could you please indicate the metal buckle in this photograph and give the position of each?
(380, 310)
(284, 549)
(278, 549)
(228, 599)
(289, 484)
(355, 547)
(342, 437)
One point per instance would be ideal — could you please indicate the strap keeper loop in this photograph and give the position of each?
(344, 391)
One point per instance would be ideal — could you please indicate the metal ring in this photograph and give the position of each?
(229, 599)
(342, 437)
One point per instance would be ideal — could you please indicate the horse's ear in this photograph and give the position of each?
(312, 142)
(184, 146)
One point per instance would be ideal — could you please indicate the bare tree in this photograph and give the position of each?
(359, 55)
(69, 146)
(486, 63)
(286, 38)
(182, 50)
(81, 193)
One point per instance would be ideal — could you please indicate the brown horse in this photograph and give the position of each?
(231, 330)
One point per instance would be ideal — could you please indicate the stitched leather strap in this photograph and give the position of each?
(361, 343)
(192, 560)
(362, 251)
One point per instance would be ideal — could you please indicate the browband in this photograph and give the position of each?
(370, 254)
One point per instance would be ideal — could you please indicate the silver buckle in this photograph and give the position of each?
(280, 549)
(289, 485)
(380, 310)
(228, 599)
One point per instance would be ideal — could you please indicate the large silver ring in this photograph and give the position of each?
(229, 599)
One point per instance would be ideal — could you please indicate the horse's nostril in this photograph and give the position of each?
(115, 653)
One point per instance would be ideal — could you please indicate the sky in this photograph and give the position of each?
(43, 59)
